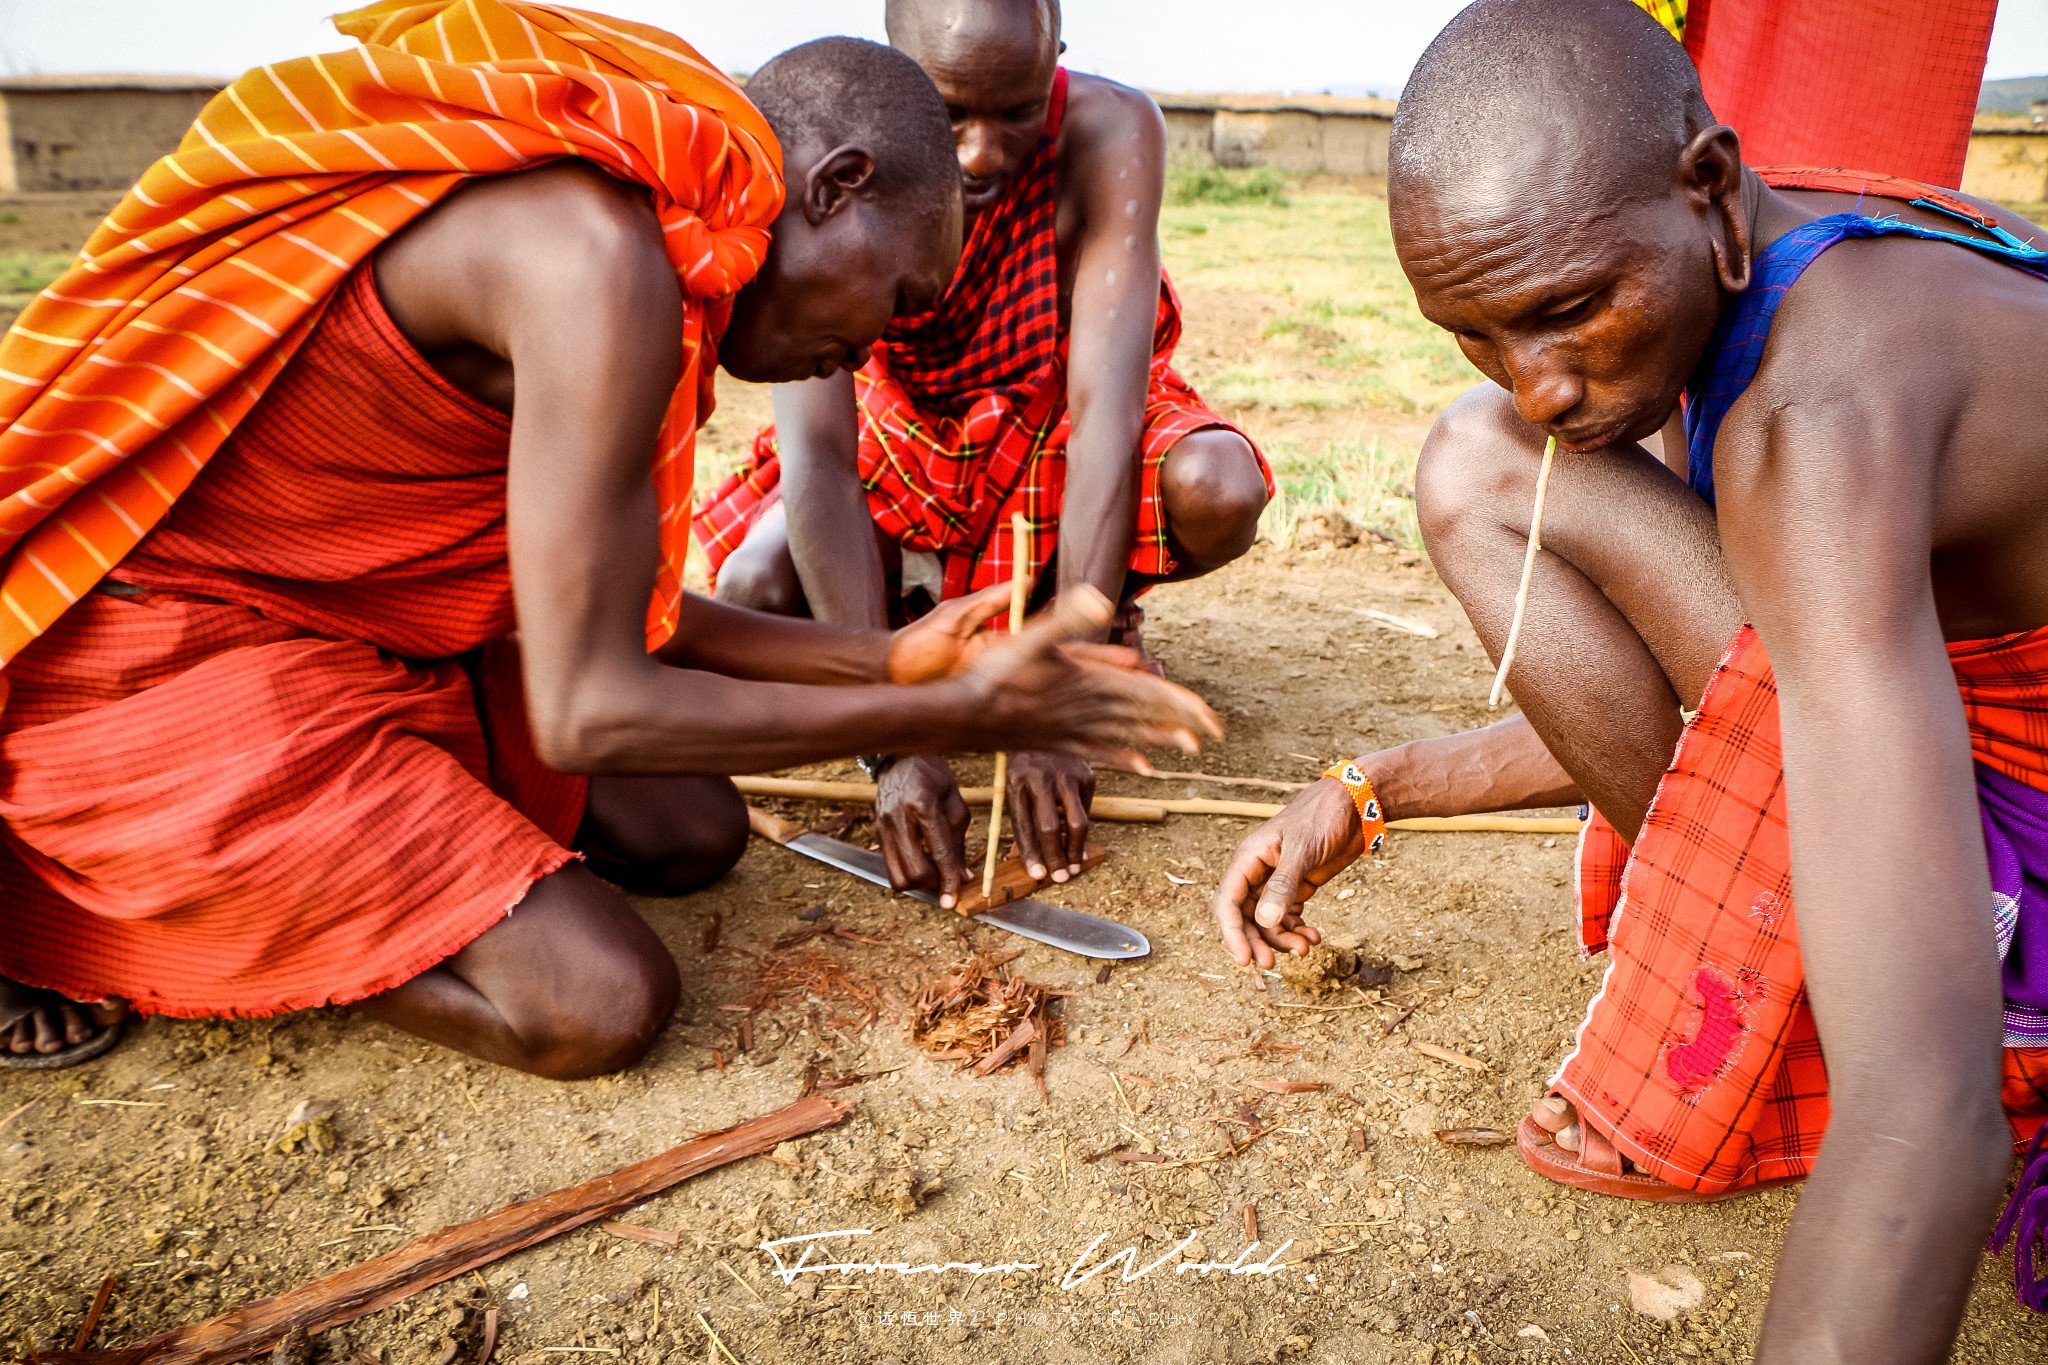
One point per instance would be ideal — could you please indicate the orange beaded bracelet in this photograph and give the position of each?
(1368, 802)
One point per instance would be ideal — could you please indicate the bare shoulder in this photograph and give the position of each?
(1107, 122)
(467, 267)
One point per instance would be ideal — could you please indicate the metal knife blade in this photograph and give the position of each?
(1088, 935)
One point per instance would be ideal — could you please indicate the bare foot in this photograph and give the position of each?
(39, 1022)
(1556, 1117)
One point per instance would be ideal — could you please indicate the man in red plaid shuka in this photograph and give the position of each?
(1040, 384)
(1838, 567)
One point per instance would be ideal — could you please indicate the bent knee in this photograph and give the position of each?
(660, 836)
(1473, 463)
(761, 575)
(1214, 492)
(606, 1023)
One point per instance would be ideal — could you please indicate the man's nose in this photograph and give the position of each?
(979, 149)
(1545, 387)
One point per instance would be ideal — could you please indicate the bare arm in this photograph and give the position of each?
(831, 535)
(561, 274)
(1116, 158)
(1827, 519)
(1259, 904)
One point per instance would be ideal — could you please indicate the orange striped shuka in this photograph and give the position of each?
(277, 758)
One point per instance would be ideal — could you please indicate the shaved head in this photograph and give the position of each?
(1565, 205)
(1594, 92)
(946, 30)
(846, 90)
(993, 62)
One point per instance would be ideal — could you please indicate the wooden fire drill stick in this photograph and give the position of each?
(1020, 588)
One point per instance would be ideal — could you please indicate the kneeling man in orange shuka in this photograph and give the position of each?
(405, 348)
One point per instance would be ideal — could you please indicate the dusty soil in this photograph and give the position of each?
(163, 1164)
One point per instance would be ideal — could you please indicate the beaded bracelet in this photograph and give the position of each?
(1368, 802)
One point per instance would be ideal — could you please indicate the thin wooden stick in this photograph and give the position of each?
(1132, 810)
(1507, 654)
(361, 1289)
(1218, 779)
(1020, 585)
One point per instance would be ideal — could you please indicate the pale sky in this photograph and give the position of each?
(1347, 45)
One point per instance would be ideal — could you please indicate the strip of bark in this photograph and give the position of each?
(1020, 1038)
(363, 1289)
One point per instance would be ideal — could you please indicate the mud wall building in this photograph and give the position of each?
(68, 133)
(1302, 134)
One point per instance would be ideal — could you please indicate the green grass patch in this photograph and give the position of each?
(1370, 481)
(24, 274)
(1192, 182)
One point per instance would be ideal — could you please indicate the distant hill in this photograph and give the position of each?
(2013, 96)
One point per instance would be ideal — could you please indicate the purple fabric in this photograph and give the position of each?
(2015, 818)
(2025, 1222)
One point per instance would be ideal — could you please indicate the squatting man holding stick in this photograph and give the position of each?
(1845, 544)
(1041, 383)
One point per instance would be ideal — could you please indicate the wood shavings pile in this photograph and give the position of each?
(980, 1016)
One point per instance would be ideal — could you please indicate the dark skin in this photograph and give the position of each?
(1860, 525)
(993, 62)
(548, 294)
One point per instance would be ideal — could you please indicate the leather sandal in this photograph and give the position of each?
(1599, 1168)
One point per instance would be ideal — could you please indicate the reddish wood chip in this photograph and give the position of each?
(1288, 1087)
(1137, 1156)
(1472, 1137)
(1251, 1222)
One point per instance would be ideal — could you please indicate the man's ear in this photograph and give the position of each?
(834, 179)
(1710, 170)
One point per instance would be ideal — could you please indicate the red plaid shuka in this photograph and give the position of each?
(1699, 1054)
(963, 410)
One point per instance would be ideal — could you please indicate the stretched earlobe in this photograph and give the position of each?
(1713, 165)
(1731, 258)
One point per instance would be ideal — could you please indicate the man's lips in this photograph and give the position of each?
(1592, 440)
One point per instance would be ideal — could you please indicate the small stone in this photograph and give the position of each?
(1667, 1295)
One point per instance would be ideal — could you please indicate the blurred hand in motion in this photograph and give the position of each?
(939, 643)
(1048, 688)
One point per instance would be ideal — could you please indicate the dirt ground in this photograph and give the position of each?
(172, 1165)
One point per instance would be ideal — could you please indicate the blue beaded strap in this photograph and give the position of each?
(1745, 328)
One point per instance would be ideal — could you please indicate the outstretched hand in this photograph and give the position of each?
(1259, 903)
(944, 639)
(1048, 687)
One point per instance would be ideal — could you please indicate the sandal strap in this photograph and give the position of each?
(1596, 1153)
